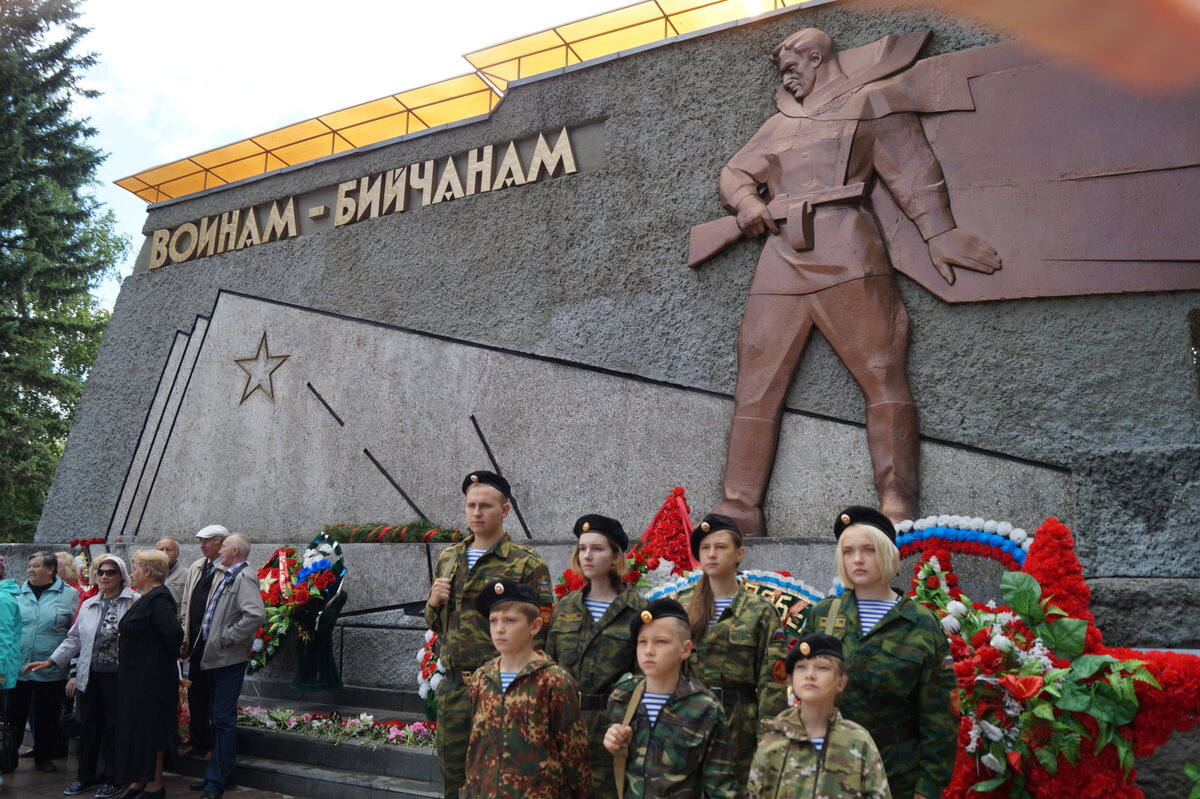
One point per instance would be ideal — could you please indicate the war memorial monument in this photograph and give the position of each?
(932, 271)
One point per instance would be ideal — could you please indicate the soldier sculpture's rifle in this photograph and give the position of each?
(796, 210)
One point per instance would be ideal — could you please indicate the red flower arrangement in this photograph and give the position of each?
(669, 535)
(1031, 728)
(276, 580)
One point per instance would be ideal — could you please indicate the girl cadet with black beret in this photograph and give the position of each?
(589, 632)
(897, 658)
(739, 641)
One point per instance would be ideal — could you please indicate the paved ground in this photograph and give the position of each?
(28, 783)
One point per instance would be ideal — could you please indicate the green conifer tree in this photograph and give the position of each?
(56, 244)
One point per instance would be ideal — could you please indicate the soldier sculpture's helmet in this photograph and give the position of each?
(505, 590)
(712, 523)
(811, 646)
(609, 528)
(857, 514)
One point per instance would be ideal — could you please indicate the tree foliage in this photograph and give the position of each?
(56, 244)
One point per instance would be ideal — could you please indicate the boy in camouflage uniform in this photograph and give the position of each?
(676, 738)
(465, 642)
(528, 739)
(809, 750)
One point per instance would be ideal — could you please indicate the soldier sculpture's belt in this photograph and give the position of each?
(891, 736)
(730, 697)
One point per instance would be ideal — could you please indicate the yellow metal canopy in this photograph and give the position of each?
(446, 101)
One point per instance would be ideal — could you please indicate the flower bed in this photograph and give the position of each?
(361, 729)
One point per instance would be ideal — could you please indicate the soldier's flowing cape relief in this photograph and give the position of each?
(788, 764)
(900, 679)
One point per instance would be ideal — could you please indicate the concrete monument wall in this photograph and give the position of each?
(562, 315)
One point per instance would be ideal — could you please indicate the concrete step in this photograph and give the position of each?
(305, 766)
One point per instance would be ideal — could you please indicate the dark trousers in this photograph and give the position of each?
(226, 688)
(45, 699)
(97, 707)
(199, 697)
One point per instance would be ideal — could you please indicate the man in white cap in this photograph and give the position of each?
(200, 582)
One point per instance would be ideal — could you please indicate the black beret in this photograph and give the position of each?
(711, 523)
(658, 609)
(488, 479)
(505, 590)
(813, 645)
(609, 528)
(857, 514)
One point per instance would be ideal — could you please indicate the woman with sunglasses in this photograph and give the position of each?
(93, 640)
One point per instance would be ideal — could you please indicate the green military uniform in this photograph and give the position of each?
(685, 754)
(900, 679)
(466, 643)
(787, 764)
(742, 655)
(528, 742)
(597, 654)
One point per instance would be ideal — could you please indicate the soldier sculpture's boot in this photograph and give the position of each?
(748, 463)
(892, 437)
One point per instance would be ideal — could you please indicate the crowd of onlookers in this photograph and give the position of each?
(105, 659)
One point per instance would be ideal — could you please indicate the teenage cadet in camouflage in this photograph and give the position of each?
(809, 750)
(528, 740)
(462, 571)
(897, 659)
(676, 738)
(589, 632)
(739, 641)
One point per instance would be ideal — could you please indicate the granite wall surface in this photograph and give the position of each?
(1084, 408)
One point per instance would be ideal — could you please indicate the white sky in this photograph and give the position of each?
(179, 76)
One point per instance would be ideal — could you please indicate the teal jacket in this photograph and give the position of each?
(10, 635)
(44, 624)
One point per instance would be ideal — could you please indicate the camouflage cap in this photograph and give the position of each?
(811, 646)
(484, 477)
(858, 514)
(505, 590)
(658, 609)
(711, 524)
(609, 528)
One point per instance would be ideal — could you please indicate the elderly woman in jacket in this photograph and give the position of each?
(93, 640)
(148, 688)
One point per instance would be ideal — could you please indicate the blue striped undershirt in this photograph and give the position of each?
(597, 607)
(870, 611)
(722, 606)
(473, 557)
(506, 678)
(817, 742)
(654, 703)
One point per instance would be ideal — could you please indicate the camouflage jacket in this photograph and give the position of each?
(466, 643)
(787, 764)
(528, 742)
(900, 680)
(596, 653)
(686, 754)
(744, 649)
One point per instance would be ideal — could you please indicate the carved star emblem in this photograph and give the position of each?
(259, 369)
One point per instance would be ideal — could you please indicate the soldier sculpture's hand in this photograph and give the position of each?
(957, 247)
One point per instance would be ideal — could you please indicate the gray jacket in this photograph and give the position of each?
(82, 635)
(238, 615)
(176, 583)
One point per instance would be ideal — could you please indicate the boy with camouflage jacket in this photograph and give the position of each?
(810, 750)
(676, 739)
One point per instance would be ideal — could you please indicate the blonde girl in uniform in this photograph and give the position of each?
(897, 658)
(589, 632)
(739, 642)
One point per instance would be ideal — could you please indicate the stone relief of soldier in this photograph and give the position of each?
(804, 180)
